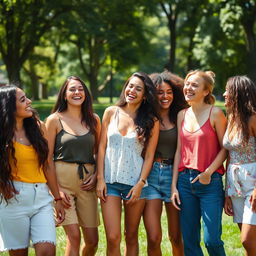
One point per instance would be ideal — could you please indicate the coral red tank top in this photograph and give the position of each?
(199, 148)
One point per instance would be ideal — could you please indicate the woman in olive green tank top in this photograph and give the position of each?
(171, 100)
(73, 131)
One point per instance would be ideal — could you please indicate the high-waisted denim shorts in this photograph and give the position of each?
(122, 190)
(27, 216)
(159, 182)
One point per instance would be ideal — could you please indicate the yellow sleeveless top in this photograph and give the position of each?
(27, 168)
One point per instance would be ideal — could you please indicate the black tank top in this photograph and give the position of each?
(75, 149)
(167, 143)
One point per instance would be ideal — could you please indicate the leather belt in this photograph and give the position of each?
(167, 161)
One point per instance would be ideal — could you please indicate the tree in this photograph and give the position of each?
(22, 24)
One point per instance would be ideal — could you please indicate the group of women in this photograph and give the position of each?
(164, 141)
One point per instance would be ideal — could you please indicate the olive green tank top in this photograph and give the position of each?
(167, 143)
(75, 149)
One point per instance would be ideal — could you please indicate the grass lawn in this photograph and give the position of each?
(230, 235)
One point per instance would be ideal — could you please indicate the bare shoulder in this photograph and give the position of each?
(252, 125)
(109, 111)
(52, 121)
(181, 114)
(217, 113)
(96, 116)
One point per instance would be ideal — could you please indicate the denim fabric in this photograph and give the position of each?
(122, 190)
(27, 216)
(159, 182)
(206, 201)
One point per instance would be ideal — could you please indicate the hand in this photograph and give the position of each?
(135, 192)
(59, 211)
(175, 198)
(204, 178)
(253, 200)
(101, 189)
(89, 183)
(65, 200)
(228, 208)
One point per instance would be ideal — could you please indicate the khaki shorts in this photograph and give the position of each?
(84, 204)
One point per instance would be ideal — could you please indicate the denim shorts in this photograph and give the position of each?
(159, 182)
(27, 216)
(122, 190)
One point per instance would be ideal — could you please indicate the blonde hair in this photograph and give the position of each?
(208, 77)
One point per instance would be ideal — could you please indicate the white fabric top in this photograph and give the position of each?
(123, 160)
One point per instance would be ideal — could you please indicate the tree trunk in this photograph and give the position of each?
(93, 80)
(13, 72)
(251, 49)
(44, 91)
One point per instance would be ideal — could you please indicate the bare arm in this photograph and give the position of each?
(52, 181)
(101, 185)
(91, 181)
(175, 194)
(147, 164)
(252, 128)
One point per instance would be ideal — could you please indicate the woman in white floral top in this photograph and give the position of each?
(240, 140)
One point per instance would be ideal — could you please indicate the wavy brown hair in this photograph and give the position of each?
(86, 109)
(148, 111)
(176, 83)
(7, 130)
(241, 103)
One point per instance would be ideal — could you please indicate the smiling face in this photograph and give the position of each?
(134, 91)
(75, 94)
(165, 95)
(226, 97)
(23, 105)
(194, 89)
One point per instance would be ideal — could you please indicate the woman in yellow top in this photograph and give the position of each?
(26, 205)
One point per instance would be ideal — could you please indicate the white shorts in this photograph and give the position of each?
(28, 216)
(242, 211)
(240, 185)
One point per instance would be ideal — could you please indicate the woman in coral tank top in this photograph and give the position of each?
(197, 188)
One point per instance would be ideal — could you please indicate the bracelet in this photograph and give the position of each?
(142, 180)
(57, 199)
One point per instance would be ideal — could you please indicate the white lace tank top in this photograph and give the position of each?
(123, 160)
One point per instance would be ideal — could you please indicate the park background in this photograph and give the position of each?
(42, 42)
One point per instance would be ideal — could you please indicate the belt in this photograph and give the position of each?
(81, 169)
(167, 161)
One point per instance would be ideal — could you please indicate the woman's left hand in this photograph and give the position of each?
(253, 200)
(59, 211)
(204, 178)
(134, 193)
(89, 183)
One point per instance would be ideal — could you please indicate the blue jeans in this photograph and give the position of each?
(206, 201)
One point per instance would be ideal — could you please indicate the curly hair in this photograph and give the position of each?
(148, 111)
(7, 130)
(209, 80)
(176, 83)
(241, 103)
(87, 110)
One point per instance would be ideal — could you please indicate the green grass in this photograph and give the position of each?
(230, 235)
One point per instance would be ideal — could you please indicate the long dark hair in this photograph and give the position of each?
(176, 83)
(148, 111)
(241, 103)
(7, 130)
(87, 110)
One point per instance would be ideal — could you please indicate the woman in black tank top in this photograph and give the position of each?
(73, 131)
(171, 101)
